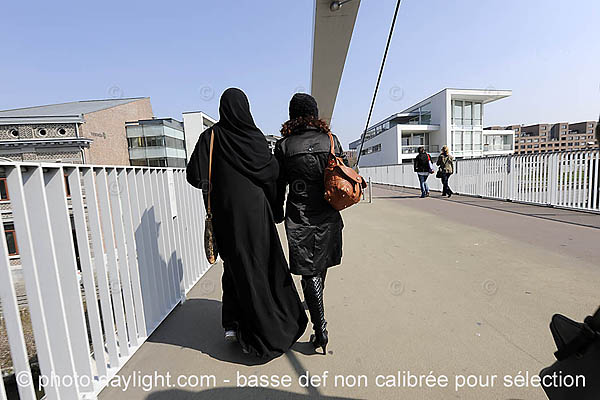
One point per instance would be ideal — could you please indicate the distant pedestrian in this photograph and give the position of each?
(446, 163)
(423, 168)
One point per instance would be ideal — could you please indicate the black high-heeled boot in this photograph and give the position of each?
(313, 295)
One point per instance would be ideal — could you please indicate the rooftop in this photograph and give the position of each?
(62, 112)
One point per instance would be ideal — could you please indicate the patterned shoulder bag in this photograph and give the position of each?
(210, 243)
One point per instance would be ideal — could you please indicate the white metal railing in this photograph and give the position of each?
(414, 148)
(138, 233)
(566, 179)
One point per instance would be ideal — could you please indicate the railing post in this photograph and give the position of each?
(553, 184)
(508, 180)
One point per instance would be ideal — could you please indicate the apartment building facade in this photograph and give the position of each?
(452, 117)
(158, 142)
(561, 136)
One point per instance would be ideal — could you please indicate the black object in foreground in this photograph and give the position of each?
(576, 373)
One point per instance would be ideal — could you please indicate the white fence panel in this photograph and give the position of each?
(134, 233)
(568, 179)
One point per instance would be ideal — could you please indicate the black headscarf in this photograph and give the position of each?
(238, 140)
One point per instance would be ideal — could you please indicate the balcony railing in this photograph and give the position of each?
(497, 147)
(414, 149)
(137, 234)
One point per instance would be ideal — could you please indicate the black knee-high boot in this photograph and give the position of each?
(313, 294)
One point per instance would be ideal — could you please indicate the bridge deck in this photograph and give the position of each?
(457, 287)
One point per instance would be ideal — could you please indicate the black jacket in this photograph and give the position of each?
(421, 163)
(313, 227)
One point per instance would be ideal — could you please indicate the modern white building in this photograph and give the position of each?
(452, 117)
(157, 142)
(194, 123)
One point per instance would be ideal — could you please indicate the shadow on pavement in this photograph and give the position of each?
(573, 217)
(196, 324)
(235, 393)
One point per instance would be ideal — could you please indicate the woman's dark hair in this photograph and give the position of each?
(421, 149)
(299, 124)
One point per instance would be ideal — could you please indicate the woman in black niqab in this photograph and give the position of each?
(260, 301)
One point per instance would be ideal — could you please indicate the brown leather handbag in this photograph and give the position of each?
(343, 186)
(210, 243)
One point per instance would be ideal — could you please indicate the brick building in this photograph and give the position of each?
(540, 138)
(90, 132)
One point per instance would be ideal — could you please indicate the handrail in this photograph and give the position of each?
(135, 230)
(563, 179)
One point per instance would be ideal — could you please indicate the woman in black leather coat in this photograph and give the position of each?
(313, 227)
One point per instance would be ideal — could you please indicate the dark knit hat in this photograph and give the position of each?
(303, 105)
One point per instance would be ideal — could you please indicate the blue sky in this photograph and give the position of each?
(183, 54)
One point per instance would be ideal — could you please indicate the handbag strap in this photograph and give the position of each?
(212, 139)
(332, 148)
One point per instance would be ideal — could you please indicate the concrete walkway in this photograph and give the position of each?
(427, 286)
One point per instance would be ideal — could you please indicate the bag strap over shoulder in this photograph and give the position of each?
(332, 149)
(212, 139)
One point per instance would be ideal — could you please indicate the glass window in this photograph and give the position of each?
(137, 142)
(11, 239)
(157, 162)
(418, 139)
(457, 112)
(155, 141)
(3, 189)
(467, 113)
(457, 141)
(477, 114)
(425, 112)
(476, 140)
(468, 140)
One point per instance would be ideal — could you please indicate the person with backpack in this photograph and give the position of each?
(446, 163)
(423, 168)
(313, 226)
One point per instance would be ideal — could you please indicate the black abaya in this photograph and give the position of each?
(259, 296)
